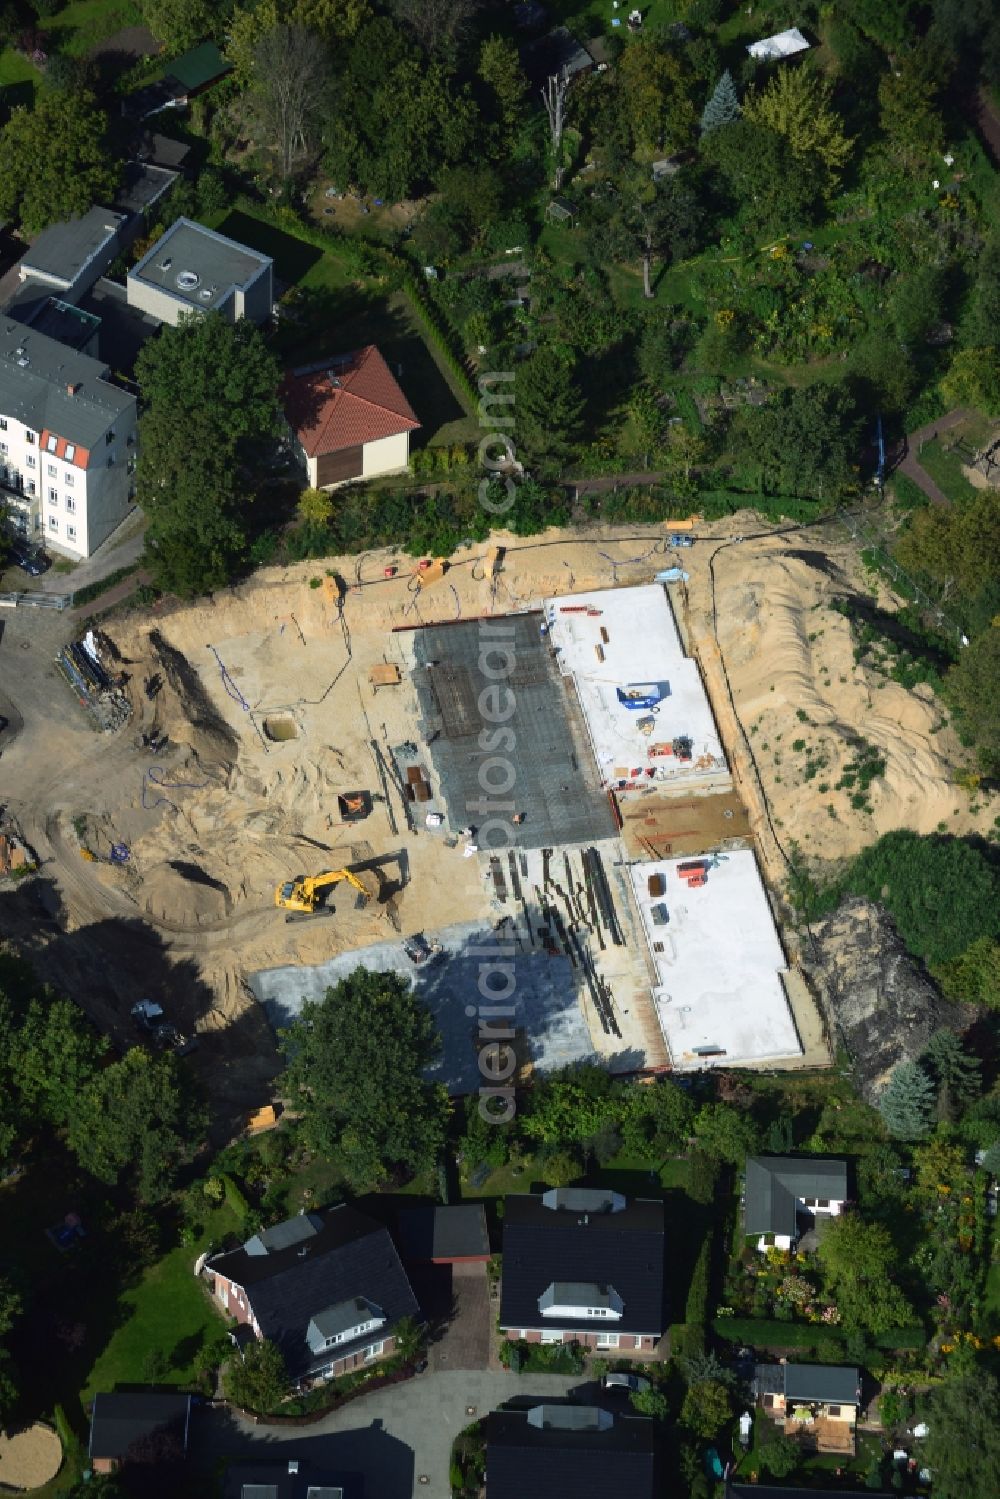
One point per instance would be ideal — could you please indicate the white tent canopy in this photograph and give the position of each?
(782, 44)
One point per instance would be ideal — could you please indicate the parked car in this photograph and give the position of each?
(29, 559)
(633, 1384)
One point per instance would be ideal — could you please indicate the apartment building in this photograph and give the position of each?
(67, 442)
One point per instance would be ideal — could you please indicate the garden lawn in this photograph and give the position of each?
(18, 78)
(945, 468)
(83, 24)
(168, 1312)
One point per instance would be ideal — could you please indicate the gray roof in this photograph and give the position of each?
(35, 304)
(283, 1235)
(142, 184)
(35, 373)
(775, 1182)
(197, 266)
(62, 250)
(834, 1383)
(342, 1317)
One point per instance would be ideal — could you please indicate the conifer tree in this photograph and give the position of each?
(907, 1102)
(723, 108)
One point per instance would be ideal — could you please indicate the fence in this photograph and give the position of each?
(36, 600)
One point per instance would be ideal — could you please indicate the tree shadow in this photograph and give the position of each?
(365, 1455)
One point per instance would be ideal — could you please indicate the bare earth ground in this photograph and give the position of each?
(214, 823)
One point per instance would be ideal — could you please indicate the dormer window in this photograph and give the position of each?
(580, 1301)
(70, 452)
(341, 1324)
(51, 443)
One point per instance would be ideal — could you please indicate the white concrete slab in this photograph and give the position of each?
(719, 970)
(642, 660)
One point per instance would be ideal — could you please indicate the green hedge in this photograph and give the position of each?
(762, 1333)
(436, 331)
(94, 590)
(234, 1197)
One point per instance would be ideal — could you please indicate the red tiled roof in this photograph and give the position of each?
(345, 401)
(80, 458)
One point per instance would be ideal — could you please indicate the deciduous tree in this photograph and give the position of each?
(796, 105)
(860, 1265)
(211, 400)
(941, 892)
(962, 1445)
(54, 160)
(179, 23)
(726, 1133)
(908, 111)
(974, 976)
(356, 1064)
(656, 96)
(974, 379)
(706, 1408)
(289, 75)
(136, 1120)
(256, 1379)
(439, 26)
(501, 71)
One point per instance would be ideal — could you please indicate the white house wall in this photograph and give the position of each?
(388, 455)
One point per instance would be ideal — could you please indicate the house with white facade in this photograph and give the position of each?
(350, 418)
(67, 442)
(194, 269)
(785, 1195)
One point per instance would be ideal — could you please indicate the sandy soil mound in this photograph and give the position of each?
(183, 894)
(814, 714)
(187, 713)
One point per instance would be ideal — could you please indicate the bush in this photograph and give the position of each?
(235, 1198)
(762, 1333)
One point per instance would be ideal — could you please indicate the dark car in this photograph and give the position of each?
(29, 559)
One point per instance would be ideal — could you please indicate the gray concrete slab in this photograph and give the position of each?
(399, 1438)
(547, 1007)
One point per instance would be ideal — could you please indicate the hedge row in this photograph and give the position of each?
(234, 1197)
(92, 591)
(440, 336)
(762, 1333)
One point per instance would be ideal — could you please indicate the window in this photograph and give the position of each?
(3, 447)
(607, 1340)
(833, 1410)
(70, 452)
(3, 424)
(51, 443)
(111, 460)
(29, 486)
(30, 460)
(70, 504)
(552, 1337)
(53, 496)
(70, 479)
(53, 523)
(822, 1202)
(109, 436)
(374, 1351)
(29, 437)
(71, 536)
(51, 470)
(768, 1401)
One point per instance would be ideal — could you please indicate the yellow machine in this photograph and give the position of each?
(303, 896)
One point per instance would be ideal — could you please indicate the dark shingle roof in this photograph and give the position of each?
(199, 67)
(118, 1421)
(830, 1382)
(63, 250)
(444, 1233)
(524, 1461)
(774, 1182)
(272, 1480)
(35, 373)
(623, 1249)
(350, 1255)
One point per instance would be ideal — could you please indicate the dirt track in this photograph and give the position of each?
(192, 912)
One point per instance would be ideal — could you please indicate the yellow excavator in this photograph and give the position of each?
(303, 896)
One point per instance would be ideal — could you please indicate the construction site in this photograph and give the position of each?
(395, 765)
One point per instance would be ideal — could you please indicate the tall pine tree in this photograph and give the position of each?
(723, 108)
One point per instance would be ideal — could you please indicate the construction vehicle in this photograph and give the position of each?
(303, 896)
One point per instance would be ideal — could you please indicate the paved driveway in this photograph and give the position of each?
(396, 1437)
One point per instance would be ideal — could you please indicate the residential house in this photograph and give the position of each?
(121, 1422)
(584, 1265)
(183, 80)
(68, 257)
(194, 269)
(290, 1479)
(350, 418)
(569, 1451)
(440, 1235)
(785, 1196)
(816, 1403)
(67, 441)
(326, 1287)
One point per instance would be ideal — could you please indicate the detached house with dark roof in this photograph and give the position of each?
(785, 1195)
(350, 418)
(121, 1423)
(584, 1265)
(570, 1452)
(67, 441)
(326, 1287)
(816, 1403)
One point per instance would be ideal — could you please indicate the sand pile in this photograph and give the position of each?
(181, 893)
(29, 1458)
(815, 716)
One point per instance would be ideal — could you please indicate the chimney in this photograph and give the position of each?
(293, 1466)
(72, 388)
